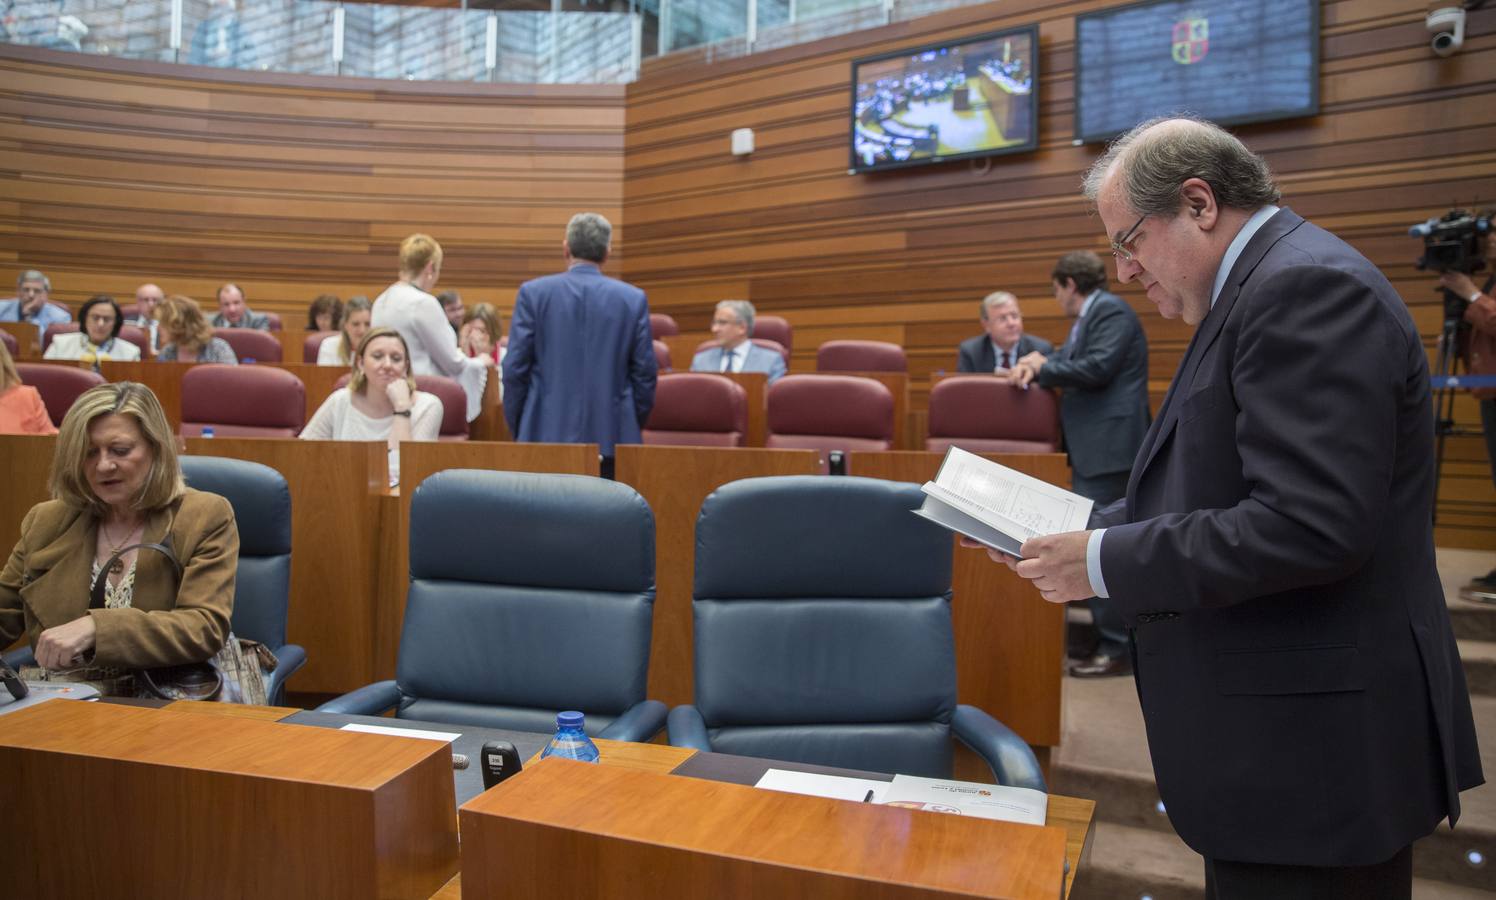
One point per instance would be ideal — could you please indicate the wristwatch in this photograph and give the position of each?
(403, 412)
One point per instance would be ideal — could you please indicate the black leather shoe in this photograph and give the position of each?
(1102, 666)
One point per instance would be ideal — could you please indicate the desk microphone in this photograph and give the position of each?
(13, 682)
(498, 760)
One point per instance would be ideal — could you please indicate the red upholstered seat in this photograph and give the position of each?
(454, 405)
(251, 343)
(662, 355)
(138, 337)
(698, 410)
(661, 325)
(10, 343)
(313, 345)
(982, 414)
(59, 385)
(242, 401)
(273, 320)
(762, 342)
(861, 356)
(54, 330)
(774, 328)
(830, 412)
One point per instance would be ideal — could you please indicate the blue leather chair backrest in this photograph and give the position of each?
(529, 594)
(822, 623)
(262, 511)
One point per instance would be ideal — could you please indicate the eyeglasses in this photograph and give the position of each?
(1119, 247)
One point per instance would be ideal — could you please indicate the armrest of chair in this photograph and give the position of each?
(369, 700)
(288, 659)
(639, 722)
(21, 656)
(688, 729)
(1010, 758)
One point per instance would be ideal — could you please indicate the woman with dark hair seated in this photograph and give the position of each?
(116, 483)
(325, 313)
(97, 339)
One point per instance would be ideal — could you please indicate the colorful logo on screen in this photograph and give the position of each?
(1191, 40)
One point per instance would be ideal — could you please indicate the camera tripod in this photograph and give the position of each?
(1447, 363)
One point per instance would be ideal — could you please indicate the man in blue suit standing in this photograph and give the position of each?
(732, 326)
(581, 364)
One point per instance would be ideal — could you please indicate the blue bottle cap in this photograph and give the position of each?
(569, 719)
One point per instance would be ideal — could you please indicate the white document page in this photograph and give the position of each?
(447, 736)
(967, 798)
(1017, 505)
(834, 786)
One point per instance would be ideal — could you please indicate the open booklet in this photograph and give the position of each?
(998, 506)
(962, 798)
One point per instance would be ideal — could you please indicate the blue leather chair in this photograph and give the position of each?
(823, 633)
(529, 594)
(262, 590)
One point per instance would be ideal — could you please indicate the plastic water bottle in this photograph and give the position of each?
(207, 431)
(571, 740)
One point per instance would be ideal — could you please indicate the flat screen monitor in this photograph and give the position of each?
(977, 96)
(1229, 61)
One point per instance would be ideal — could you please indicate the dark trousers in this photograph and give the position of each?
(1103, 490)
(605, 467)
(1488, 424)
(1391, 880)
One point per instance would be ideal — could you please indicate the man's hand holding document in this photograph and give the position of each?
(998, 506)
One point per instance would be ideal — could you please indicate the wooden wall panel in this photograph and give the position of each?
(114, 173)
(906, 255)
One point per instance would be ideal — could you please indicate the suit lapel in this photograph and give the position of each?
(1282, 222)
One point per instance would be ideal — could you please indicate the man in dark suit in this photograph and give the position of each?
(1306, 709)
(581, 364)
(1004, 342)
(1102, 370)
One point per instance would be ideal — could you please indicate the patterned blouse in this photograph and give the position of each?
(216, 350)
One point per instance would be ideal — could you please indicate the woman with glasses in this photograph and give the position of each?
(98, 339)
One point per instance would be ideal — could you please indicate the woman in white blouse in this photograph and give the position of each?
(337, 349)
(380, 402)
(97, 339)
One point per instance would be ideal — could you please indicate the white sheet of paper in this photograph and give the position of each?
(447, 736)
(834, 786)
(967, 798)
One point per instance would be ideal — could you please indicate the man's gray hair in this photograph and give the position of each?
(1154, 159)
(588, 236)
(996, 299)
(34, 275)
(742, 309)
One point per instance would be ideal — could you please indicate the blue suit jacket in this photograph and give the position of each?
(1303, 695)
(580, 366)
(760, 359)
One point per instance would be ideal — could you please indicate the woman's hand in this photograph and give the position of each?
(399, 393)
(65, 646)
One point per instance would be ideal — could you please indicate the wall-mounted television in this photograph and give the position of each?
(1229, 61)
(972, 97)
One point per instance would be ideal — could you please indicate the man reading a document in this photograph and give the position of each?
(1306, 709)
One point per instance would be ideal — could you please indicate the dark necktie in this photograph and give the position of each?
(1007, 362)
(727, 360)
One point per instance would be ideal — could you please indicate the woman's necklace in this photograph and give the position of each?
(118, 566)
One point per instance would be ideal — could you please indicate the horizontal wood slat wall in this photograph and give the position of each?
(905, 256)
(117, 172)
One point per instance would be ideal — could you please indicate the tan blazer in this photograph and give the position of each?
(46, 580)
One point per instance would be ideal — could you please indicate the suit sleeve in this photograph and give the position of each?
(1319, 372)
(643, 368)
(965, 359)
(518, 360)
(1108, 334)
(198, 624)
(776, 368)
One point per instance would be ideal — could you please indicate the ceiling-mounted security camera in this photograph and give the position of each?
(1448, 27)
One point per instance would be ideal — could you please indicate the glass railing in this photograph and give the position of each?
(569, 44)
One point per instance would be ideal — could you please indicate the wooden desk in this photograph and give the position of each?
(675, 481)
(204, 805)
(1010, 644)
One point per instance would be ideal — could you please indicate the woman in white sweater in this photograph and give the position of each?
(380, 402)
(337, 349)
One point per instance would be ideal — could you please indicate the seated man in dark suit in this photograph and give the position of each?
(233, 312)
(732, 326)
(1004, 343)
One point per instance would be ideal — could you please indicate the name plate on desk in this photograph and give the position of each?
(120, 801)
(567, 829)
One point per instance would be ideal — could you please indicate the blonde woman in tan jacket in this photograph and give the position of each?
(116, 482)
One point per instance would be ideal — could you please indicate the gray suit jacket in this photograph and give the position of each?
(1303, 695)
(976, 354)
(760, 359)
(1103, 371)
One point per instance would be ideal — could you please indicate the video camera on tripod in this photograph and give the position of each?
(1453, 242)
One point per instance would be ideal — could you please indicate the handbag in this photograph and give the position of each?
(235, 674)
